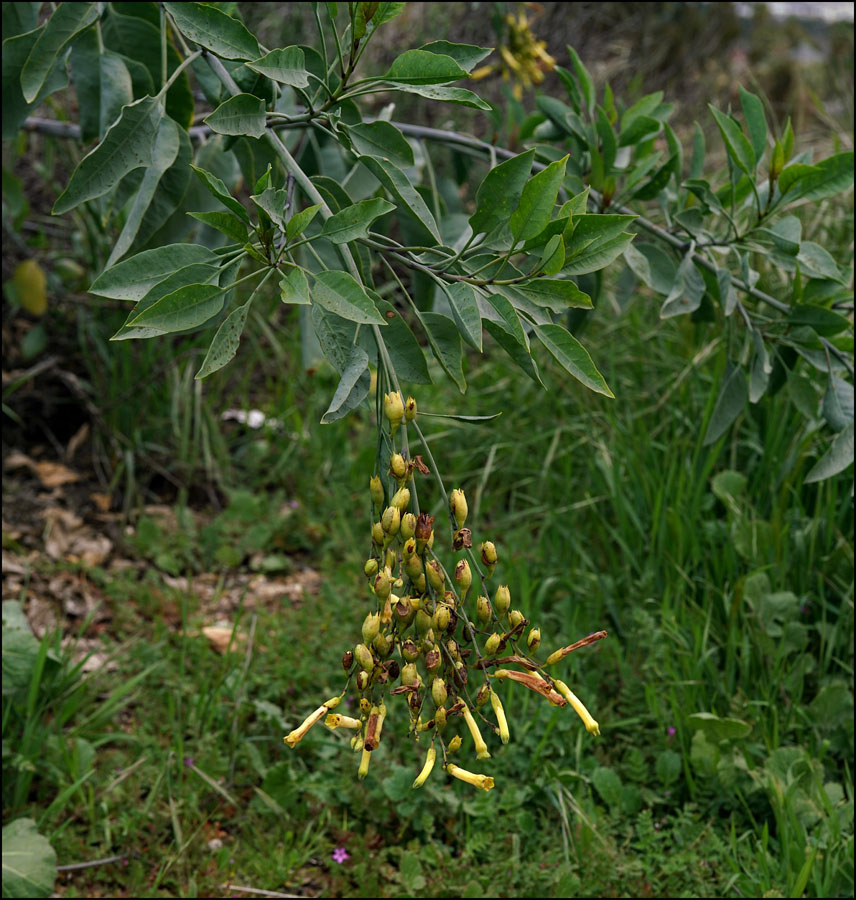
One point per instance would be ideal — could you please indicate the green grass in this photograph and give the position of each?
(727, 594)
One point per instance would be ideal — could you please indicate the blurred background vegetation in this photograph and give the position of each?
(726, 583)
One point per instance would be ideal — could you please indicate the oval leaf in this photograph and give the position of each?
(342, 294)
(572, 357)
(133, 278)
(353, 386)
(242, 114)
(225, 344)
(212, 29)
(353, 222)
(285, 66)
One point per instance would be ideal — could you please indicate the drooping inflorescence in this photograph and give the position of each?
(431, 637)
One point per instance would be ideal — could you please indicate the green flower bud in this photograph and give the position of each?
(382, 585)
(357, 742)
(397, 466)
(376, 490)
(439, 693)
(377, 534)
(371, 626)
(410, 675)
(489, 556)
(491, 645)
(410, 410)
(440, 718)
(391, 520)
(464, 577)
(393, 408)
(515, 617)
(382, 644)
(502, 600)
(413, 567)
(364, 657)
(408, 527)
(423, 622)
(483, 609)
(401, 499)
(458, 506)
(370, 568)
(435, 575)
(410, 651)
(534, 639)
(455, 744)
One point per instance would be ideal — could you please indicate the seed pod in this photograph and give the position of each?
(502, 600)
(376, 490)
(371, 626)
(382, 644)
(377, 534)
(455, 744)
(393, 409)
(382, 585)
(454, 649)
(393, 669)
(364, 657)
(419, 583)
(463, 539)
(391, 521)
(441, 617)
(347, 660)
(363, 679)
(423, 622)
(408, 527)
(390, 559)
(491, 645)
(432, 660)
(398, 467)
(400, 499)
(404, 613)
(436, 578)
(482, 695)
(458, 506)
(424, 531)
(409, 549)
(370, 568)
(515, 618)
(410, 675)
(488, 554)
(365, 706)
(414, 701)
(410, 410)
(460, 674)
(440, 719)
(428, 640)
(410, 651)
(483, 609)
(439, 693)
(534, 639)
(464, 577)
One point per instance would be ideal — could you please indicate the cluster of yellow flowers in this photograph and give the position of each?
(421, 643)
(523, 59)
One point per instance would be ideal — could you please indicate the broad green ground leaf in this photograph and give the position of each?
(214, 30)
(133, 278)
(499, 193)
(216, 186)
(736, 143)
(838, 403)
(226, 223)
(465, 312)
(126, 146)
(756, 123)
(572, 357)
(836, 459)
(382, 140)
(164, 153)
(294, 288)
(353, 387)
(729, 404)
(408, 358)
(557, 294)
(444, 93)
(343, 295)
(241, 114)
(397, 183)
(353, 222)
(16, 51)
(421, 67)
(67, 21)
(285, 66)
(188, 307)
(195, 273)
(538, 201)
(29, 861)
(226, 341)
(467, 56)
(519, 354)
(445, 341)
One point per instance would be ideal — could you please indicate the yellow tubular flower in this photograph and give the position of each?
(499, 712)
(478, 740)
(364, 764)
(296, 736)
(334, 720)
(422, 777)
(591, 726)
(485, 782)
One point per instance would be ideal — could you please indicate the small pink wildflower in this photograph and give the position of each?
(340, 854)
(672, 730)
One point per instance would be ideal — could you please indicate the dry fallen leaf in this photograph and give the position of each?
(102, 501)
(220, 637)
